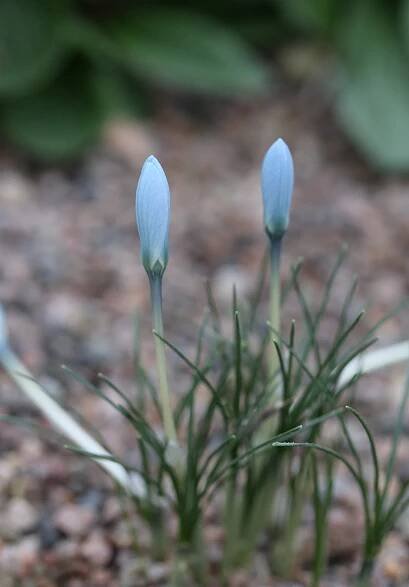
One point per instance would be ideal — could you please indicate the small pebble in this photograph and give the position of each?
(97, 549)
(19, 518)
(74, 520)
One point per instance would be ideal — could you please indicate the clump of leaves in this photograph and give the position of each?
(369, 41)
(255, 397)
(67, 67)
(101, 60)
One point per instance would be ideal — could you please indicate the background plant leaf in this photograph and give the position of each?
(188, 51)
(373, 105)
(118, 96)
(30, 47)
(311, 16)
(405, 23)
(57, 122)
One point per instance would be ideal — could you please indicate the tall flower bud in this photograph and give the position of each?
(277, 181)
(152, 216)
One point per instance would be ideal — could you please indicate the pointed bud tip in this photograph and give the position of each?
(279, 147)
(152, 160)
(280, 143)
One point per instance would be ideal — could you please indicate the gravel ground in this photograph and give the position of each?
(71, 279)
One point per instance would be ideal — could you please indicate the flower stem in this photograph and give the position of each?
(190, 560)
(365, 575)
(156, 298)
(275, 288)
(286, 549)
(275, 299)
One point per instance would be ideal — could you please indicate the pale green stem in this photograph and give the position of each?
(275, 291)
(275, 287)
(232, 525)
(285, 552)
(275, 297)
(365, 575)
(190, 562)
(263, 506)
(156, 298)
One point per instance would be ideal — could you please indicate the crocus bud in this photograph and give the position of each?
(277, 180)
(152, 216)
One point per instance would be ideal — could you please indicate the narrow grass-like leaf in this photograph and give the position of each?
(397, 433)
(243, 458)
(221, 404)
(372, 447)
(238, 364)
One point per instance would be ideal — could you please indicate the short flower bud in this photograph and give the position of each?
(277, 180)
(152, 216)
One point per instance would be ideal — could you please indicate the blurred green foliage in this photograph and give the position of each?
(370, 39)
(67, 66)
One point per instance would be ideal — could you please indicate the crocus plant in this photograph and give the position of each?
(269, 392)
(152, 218)
(277, 183)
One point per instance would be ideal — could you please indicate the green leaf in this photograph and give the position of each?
(188, 51)
(117, 95)
(374, 103)
(56, 123)
(86, 36)
(313, 16)
(405, 22)
(30, 49)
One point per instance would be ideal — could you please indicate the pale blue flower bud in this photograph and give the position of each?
(152, 216)
(277, 181)
(3, 331)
